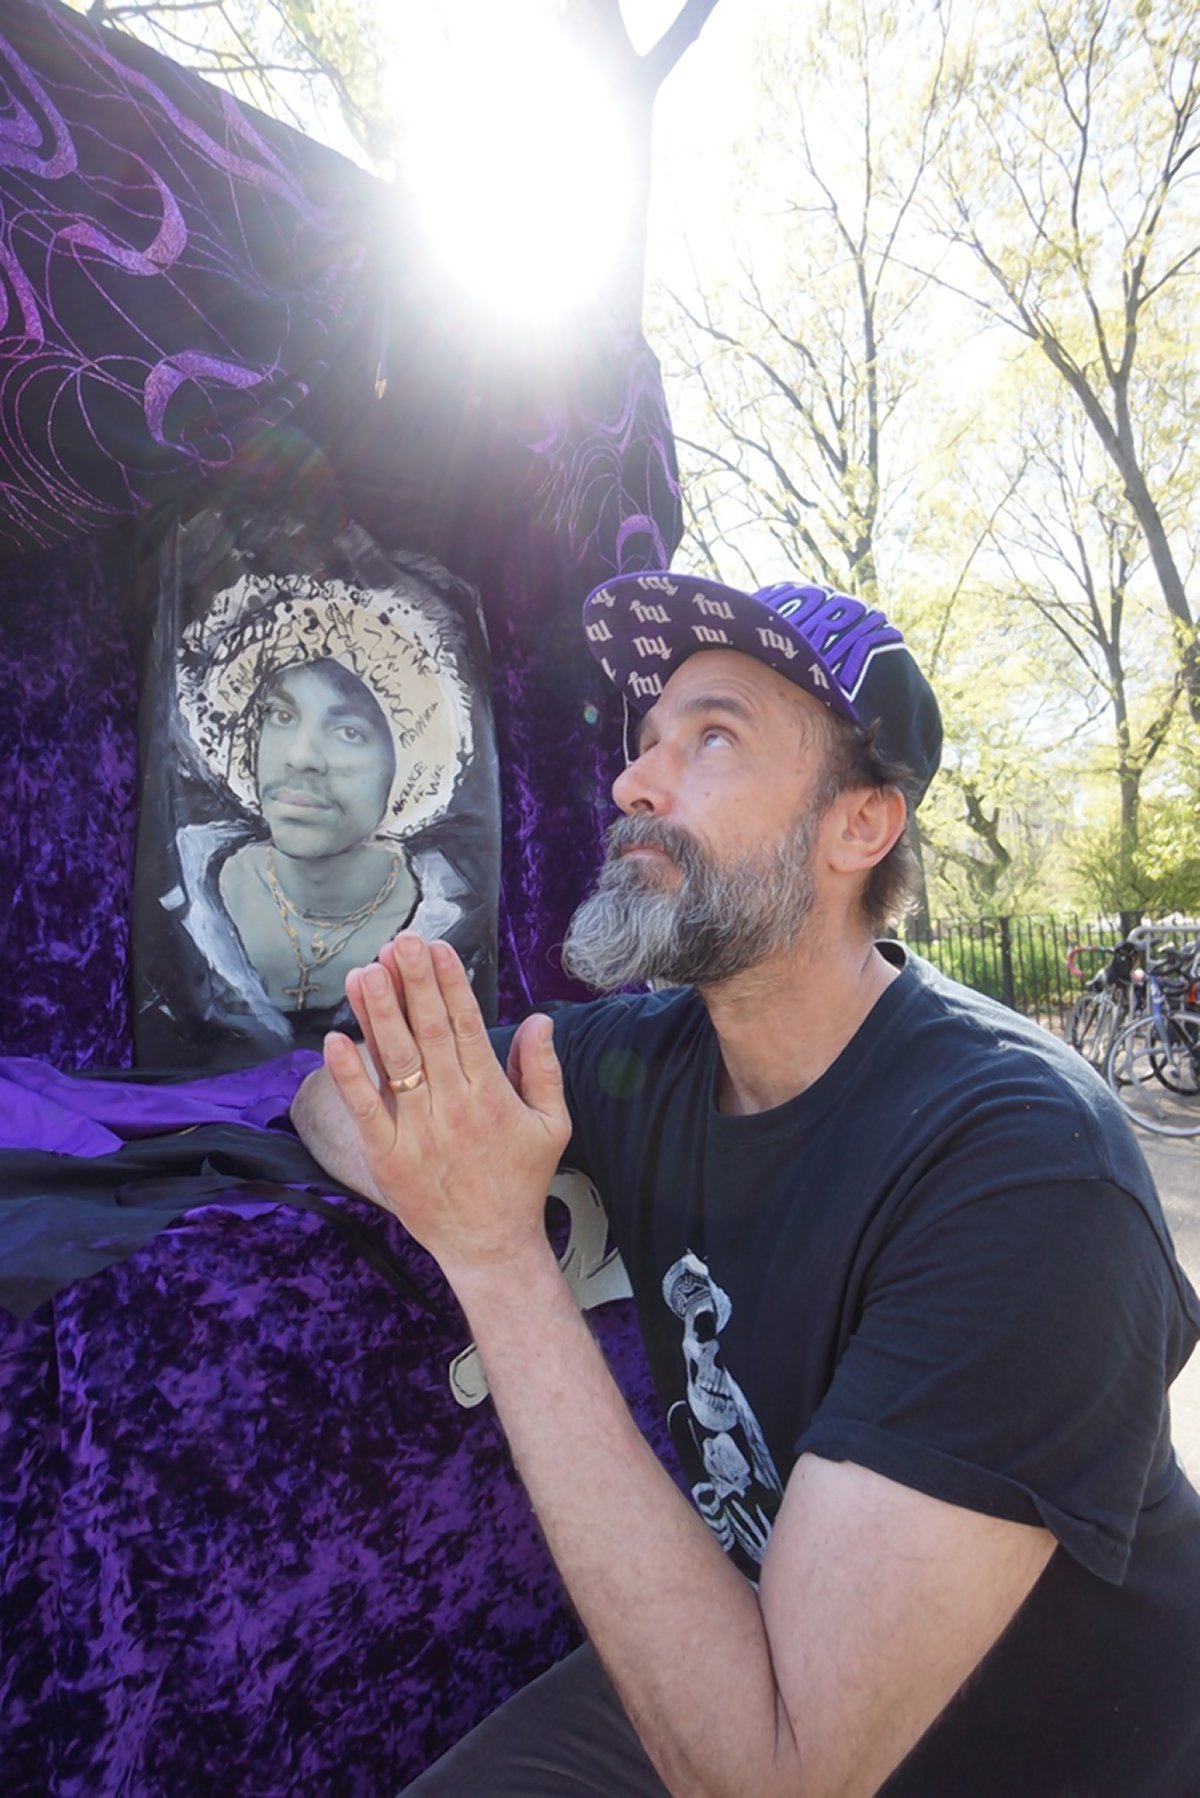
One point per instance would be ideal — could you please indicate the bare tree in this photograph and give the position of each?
(1071, 188)
(1070, 548)
(790, 379)
(634, 79)
(985, 864)
(797, 368)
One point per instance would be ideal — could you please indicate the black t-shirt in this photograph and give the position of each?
(944, 1261)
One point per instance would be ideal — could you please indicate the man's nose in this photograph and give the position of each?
(644, 785)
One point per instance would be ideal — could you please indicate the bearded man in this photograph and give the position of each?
(902, 1276)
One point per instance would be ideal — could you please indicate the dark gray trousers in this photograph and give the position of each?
(563, 1736)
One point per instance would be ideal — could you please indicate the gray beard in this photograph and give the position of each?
(720, 920)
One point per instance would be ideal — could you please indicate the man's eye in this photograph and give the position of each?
(279, 714)
(350, 733)
(713, 735)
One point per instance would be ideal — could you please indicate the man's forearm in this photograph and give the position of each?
(678, 1628)
(643, 1570)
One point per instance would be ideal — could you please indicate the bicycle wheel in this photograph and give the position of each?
(1142, 1053)
(1093, 1022)
(1176, 1061)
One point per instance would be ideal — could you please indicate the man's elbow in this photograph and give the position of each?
(327, 1131)
(322, 1123)
(312, 1094)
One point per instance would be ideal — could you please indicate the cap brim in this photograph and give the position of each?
(641, 627)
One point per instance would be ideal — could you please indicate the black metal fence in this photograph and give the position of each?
(1022, 961)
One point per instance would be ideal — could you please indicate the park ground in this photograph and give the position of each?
(1175, 1163)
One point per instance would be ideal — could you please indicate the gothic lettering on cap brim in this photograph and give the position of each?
(652, 646)
(776, 640)
(649, 614)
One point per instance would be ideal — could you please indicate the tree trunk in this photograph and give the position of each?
(1130, 781)
(1118, 442)
(633, 80)
(920, 924)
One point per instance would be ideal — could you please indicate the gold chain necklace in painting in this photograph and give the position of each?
(321, 948)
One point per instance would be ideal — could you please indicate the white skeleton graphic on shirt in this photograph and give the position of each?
(741, 1494)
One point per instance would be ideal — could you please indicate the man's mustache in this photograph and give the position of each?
(643, 832)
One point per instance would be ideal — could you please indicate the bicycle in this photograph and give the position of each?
(1153, 1066)
(1112, 997)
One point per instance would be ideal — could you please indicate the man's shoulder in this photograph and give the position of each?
(996, 1075)
(983, 1027)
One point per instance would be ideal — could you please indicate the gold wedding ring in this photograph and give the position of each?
(409, 1084)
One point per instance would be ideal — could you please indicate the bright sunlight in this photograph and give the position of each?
(522, 169)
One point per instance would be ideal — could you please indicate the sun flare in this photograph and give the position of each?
(522, 169)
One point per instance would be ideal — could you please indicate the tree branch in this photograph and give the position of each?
(657, 63)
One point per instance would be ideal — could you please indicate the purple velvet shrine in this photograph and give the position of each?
(248, 1540)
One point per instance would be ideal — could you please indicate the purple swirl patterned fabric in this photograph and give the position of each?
(172, 271)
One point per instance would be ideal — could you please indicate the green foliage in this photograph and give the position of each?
(1162, 877)
(1171, 859)
(1169, 850)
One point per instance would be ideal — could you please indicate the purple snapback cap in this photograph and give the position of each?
(846, 654)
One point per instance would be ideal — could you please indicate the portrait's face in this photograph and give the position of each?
(325, 761)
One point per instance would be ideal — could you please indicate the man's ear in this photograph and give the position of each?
(868, 822)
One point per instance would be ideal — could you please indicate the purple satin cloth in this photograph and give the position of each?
(41, 1108)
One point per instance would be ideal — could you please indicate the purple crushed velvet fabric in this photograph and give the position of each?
(558, 722)
(68, 727)
(248, 1540)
